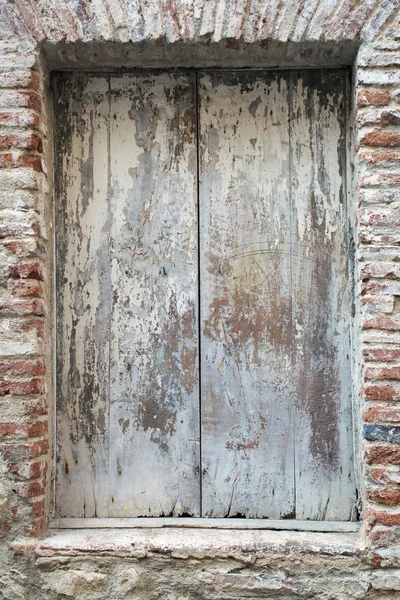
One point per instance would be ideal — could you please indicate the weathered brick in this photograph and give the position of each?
(16, 452)
(38, 508)
(382, 433)
(28, 470)
(28, 141)
(22, 367)
(391, 117)
(382, 537)
(384, 393)
(38, 429)
(372, 515)
(382, 414)
(388, 139)
(384, 475)
(32, 270)
(385, 270)
(13, 161)
(389, 496)
(20, 78)
(381, 354)
(23, 307)
(385, 216)
(377, 304)
(381, 178)
(31, 489)
(373, 97)
(382, 373)
(376, 196)
(21, 387)
(23, 288)
(380, 158)
(384, 322)
(382, 454)
(19, 118)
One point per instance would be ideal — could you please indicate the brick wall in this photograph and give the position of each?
(31, 30)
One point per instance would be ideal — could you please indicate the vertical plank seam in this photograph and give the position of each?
(290, 113)
(110, 295)
(54, 87)
(197, 114)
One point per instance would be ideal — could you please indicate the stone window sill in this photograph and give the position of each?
(246, 544)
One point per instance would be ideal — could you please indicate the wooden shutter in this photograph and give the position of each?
(275, 297)
(128, 407)
(253, 417)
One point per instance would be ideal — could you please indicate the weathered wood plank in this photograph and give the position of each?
(160, 523)
(322, 298)
(246, 319)
(154, 414)
(83, 292)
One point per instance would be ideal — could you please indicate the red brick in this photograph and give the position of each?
(373, 97)
(378, 178)
(388, 139)
(382, 454)
(21, 247)
(21, 388)
(25, 307)
(31, 489)
(392, 323)
(380, 216)
(389, 496)
(382, 373)
(26, 326)
(29, 142)
(38, 527)
(16, 452)
(22, 367)
(31, 270)
(28, 288)
(12, 161)
(28, 471)
(379, 158)
(35, 407)
(38, 508)
(385, 475)
(38, 429)
(381, 354)
(379, 516)
(385, 392)
(19, 118)
(382, 414)
(382, 537)
(13, 428)
(390, 118)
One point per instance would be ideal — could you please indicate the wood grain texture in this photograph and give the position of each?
(83, 291)
(270, 215)
(246, 320)
(154, 412)
(322, 298)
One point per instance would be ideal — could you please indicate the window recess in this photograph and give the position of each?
(203, 296)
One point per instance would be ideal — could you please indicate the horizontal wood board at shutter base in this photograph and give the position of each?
(154, 395)
(275, 299)
(251, 344)
(82, 288)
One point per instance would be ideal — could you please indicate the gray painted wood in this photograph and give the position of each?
(83, 292)
(246, 319)
(322, 298)
(157, 523)
(275, 297)
(154, 402)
